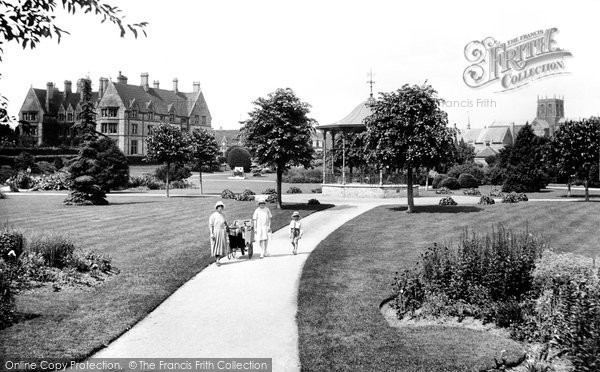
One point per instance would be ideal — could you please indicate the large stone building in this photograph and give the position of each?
(124, 112)
(490, 139)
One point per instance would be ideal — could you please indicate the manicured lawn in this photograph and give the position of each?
(156, 243)
(349, 274)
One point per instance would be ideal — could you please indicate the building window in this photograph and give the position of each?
(70, 116)
(197, 119)
(112, 128)
(134, 128)
(172, 118)
(133, 114)
(150, 116)
(30, 116)
(204, 120)
(61, 117)
(33, 131)
(183, 120)
(149, 129)
(134, 147)
(104, 127)
(104, 113)
(112, 112)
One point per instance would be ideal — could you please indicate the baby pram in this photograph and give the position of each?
(241, 236)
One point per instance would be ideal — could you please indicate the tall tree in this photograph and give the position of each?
(278, 133)
(204, 149)
(523, 163)
(168, 145)
(408, 129)
(575, 150)
(465, 153)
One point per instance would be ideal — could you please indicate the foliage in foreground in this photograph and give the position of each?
(513, 280)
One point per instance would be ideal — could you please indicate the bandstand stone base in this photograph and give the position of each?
(367, 191)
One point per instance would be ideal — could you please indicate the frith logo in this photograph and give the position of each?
(514, 63)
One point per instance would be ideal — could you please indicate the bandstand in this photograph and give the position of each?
(370, 182)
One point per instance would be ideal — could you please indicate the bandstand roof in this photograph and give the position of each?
(354, 120)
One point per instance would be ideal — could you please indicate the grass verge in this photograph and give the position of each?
(349, 274)
(156, 243)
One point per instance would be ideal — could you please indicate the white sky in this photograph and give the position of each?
(241, 50)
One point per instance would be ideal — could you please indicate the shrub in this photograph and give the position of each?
(443, 191)
(56, 249)
(313, 202)
(317, 191)
(58, 163)
(272, 198)
(10, 241)
(45, 168)
(472, 192)
(447, 201)
(21, 180)
(246, 195)
(301, 175)
(7, 302)
(486, 200)
(56, 181)
(513, 197)
(496, 192)
(6, 172)
(239, 157)
(90, 261)
(474, 169)
(269, 191)
(25, 160)
(181, 184)
(221, 160)
(177, 172)
(227, 194)
(494, 175)
(437, 179)
(113, 166)
(294, 190)
(145, 180)
(475, 276)
(468, 181)
(450, 182)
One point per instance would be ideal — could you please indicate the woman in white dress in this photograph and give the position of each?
(219, 244)
(262, 227)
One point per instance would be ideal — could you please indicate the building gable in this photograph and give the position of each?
(32, 102)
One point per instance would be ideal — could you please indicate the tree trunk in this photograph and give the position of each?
(426, 179)
(569, 188)
(409, 190)
(200, 175)
(168, 168)
(587, 190)
(279, 174)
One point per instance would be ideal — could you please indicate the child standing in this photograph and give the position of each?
(296, 231)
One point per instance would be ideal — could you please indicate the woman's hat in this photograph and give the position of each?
(219, 204)
(296, 214)
(261, 201)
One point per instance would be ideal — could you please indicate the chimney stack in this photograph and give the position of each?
(175, 85)
(79, 85)
(101, 88)
(156, 84)
(121, 79)
(67, 86)
(196, 86)
(49, 94)
(144, 82)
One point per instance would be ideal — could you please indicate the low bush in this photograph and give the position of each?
(21, 180)
(7, 301)
(496, 192)
(443, 191)
(472, 192)
(476, 170)
(313, 202)
(269, 191)
(450, 182)
(468, 181)
(176, 173)
(513, 197)
(45, 167)
(56, 181)
(10, 241)
(272, 198)
(301, 175)
(181, 184)
(294, 190)
(486, 200)
(246, 195)
(437, 179)
(6, 172)
(447, 201)
(145, 180)
(56, 249)
(227, 194)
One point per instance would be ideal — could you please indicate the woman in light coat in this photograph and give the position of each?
(219, 241)
(262, 227)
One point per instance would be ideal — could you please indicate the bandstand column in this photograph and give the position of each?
(343, 158)
(332, 153)
(324, 154)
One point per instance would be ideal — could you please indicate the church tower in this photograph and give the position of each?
(550, 111)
